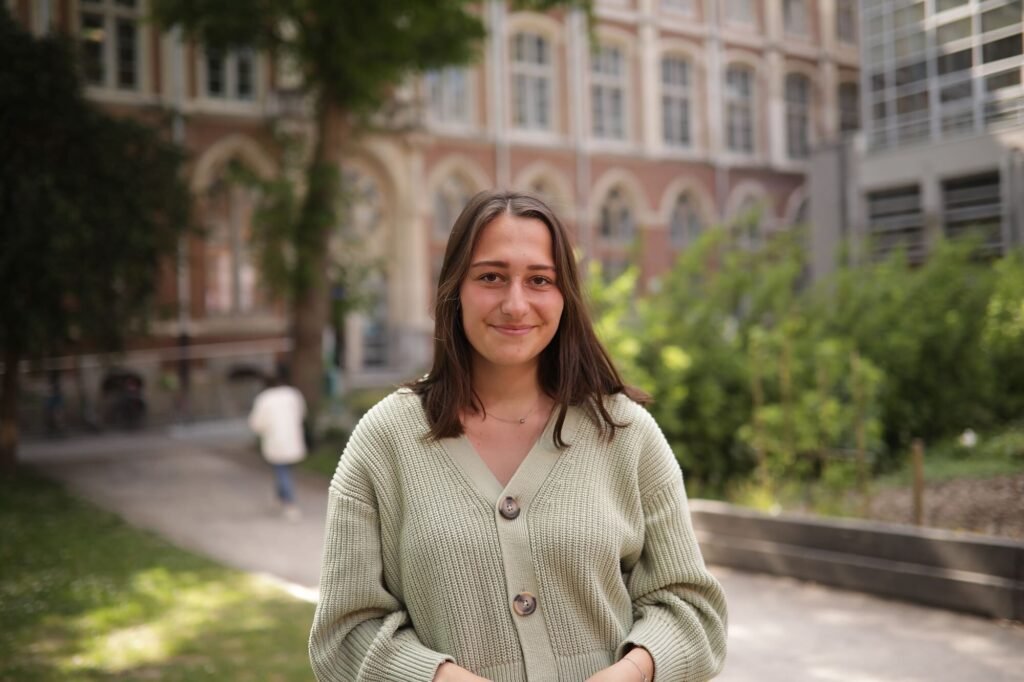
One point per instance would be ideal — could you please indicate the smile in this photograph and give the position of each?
(511, 330)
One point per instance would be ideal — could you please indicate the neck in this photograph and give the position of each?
(515, 388)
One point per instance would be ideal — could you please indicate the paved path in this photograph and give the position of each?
(204, 490)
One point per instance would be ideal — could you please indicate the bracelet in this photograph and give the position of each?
(643, 678)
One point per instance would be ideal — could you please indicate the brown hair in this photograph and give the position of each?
(574, 368)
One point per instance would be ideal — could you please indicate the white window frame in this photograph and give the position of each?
(739, 104)
(530, 74)
(111, 13)
(608, 79)
(449, 96)
(677, 104)
(231, 62)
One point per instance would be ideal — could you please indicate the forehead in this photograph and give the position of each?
(512, 237)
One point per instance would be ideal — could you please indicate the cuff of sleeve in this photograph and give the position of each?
(413, 661)
(673, 652)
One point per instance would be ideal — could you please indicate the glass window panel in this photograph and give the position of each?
(244, 76)
(943, 5)
(908, 16)
(92, 37)
(956, 30)
(957, 61)
(999, 81)
(912, 73)
(127, 54)
(1001, 17)
(1001, 49)
(957, 91)
(909, 45)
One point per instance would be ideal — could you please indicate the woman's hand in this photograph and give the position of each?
(449, 672)
(628, 670)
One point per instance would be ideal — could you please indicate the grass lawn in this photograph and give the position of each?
(84, 596)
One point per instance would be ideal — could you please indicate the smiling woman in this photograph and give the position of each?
(516, 514)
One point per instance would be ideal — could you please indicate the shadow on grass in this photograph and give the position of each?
(84, 596)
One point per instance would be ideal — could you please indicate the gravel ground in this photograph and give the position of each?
(993, 506)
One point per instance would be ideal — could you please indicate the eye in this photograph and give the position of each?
(540, 281)
(490, 278)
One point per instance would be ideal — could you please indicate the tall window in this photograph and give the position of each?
(232, 282)
(110, 43)
(449, 200)
(846, 21)
(676, 84)
(230, 74)
(608, 93)
(747, 226)
(849, 107)
(532, 81)
(448, 94)
(739, 109)
(794, 17)
(739, 11)
(617, 222)
(798, 116)
(685, 226)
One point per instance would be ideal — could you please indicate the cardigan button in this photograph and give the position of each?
(524, 603)
(509, 508)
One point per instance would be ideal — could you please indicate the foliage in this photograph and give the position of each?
(87, 597)
(90, 206)
(83, 257)
(753, 369)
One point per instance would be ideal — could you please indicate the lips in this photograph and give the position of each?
(511, 330)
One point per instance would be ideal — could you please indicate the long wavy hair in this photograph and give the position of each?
(574, 368)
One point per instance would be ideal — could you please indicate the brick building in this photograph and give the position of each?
(684, 115)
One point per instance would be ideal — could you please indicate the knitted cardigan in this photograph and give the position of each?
(420, 566)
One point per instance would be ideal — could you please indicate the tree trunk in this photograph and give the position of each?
(9, 414)
(312, 289)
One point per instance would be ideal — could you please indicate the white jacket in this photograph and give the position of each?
(276, 417)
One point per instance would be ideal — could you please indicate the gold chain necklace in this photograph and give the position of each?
(520, 420)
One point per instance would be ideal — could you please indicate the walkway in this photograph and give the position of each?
(206, 489)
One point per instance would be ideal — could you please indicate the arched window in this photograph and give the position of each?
(798, 116)
(739, 109)
(608, 93)
(617, 221)
(533, 78)
(685, 225)
(747, 226)
(676, 96)
(451, 197)
(232, 275)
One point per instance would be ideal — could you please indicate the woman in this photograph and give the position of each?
(514, 515)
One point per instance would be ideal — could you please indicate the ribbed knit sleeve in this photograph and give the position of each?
(679, 608)
(361, 632)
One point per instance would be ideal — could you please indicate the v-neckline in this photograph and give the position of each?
(530, 473)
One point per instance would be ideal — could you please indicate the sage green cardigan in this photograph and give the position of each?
(420, 565)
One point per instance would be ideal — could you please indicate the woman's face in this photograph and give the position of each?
(511, 303)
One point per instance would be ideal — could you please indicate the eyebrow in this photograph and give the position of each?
(504, 264)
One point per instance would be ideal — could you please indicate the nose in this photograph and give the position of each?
(514, 303)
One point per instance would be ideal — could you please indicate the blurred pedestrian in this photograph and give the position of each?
(515, 514)
(277, 418)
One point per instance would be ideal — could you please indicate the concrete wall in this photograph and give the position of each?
(961, 572)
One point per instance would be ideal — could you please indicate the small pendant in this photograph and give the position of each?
(523, 420)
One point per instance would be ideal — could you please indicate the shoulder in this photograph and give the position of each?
(400, 409)
(625, 410)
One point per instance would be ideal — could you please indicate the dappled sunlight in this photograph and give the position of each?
(163, 616)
